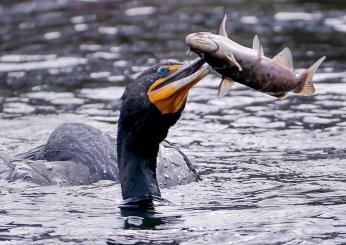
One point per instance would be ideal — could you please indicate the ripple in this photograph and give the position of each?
(26, 58)
(110, 94)
(52, 35)
(59, 62)
(18, 108)
(338, 24)
(272, 171)
(249, 19)
(140, 11)
(318, 120)
(335, 76)
(81, 27)
(78, 19)
(289, 16)
(108, 30)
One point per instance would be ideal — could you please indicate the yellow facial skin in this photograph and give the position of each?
(171, 97)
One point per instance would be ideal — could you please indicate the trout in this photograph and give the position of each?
(250, 67)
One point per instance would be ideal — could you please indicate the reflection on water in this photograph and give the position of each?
(145, 219)
(273, 171)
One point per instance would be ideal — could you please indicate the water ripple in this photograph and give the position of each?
(272, 171)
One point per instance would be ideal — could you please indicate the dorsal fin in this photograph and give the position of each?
(225, 85)
(222, 30)
(256, 45)
(260, 52)
(284, 58)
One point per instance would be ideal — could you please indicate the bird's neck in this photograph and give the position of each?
(137, 166)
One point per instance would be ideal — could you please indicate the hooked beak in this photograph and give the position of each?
(169, 94)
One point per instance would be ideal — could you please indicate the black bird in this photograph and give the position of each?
(139, 158)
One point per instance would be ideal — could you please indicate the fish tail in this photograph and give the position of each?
(308, 88)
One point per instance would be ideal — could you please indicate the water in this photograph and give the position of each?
(273, 171)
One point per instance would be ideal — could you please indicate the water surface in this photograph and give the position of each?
(273, 171)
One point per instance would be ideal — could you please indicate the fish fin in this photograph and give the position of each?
(260, 52)
(256, 45)
(225, 86)
(284, 58)
(230, 58)
(307, 75)
(222, 30)
(282, 96)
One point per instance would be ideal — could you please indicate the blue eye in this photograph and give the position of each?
(162, 71)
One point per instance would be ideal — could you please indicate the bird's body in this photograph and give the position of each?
(77, 154)
(139, 158)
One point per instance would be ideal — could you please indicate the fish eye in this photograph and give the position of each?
(162, 70)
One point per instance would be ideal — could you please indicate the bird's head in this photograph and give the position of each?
(172, 83)
(153, 102)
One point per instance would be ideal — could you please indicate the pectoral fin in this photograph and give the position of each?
(231, 59)
(282, 96)
(284, 58)
(224, 87)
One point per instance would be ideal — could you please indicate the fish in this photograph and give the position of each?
(250, 67)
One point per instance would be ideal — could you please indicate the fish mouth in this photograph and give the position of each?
(170, 94)
(201, 42)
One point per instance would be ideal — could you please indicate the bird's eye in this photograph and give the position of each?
(162, 71)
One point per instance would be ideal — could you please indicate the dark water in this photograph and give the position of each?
(273, 171)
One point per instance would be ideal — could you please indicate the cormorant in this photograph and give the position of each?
(139, 158)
